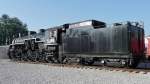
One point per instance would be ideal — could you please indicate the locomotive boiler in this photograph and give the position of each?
(86, 42)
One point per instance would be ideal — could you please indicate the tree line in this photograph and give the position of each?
(10, 28)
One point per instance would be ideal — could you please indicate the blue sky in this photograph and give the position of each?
(48, 13)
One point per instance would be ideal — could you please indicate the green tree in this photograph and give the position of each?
(10, 27)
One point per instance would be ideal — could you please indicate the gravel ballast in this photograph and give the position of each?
(25, 73)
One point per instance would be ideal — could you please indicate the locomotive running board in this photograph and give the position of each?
(115, 56)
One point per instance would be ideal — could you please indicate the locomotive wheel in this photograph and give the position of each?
(18, 56)
(55, 60)
(86, 62)
(82, 61)
(65, 60)
(34, 56)
(29, 55)
(133, 63)
(48, 59)
(41, 57)
(24, 57)
(90, 62)
(37, 56)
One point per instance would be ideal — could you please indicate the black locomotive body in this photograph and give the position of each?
(86, 41)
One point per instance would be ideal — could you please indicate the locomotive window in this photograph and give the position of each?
(53, 33)
(98, 24)
(38, 39)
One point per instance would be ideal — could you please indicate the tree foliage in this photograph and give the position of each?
(10, 27)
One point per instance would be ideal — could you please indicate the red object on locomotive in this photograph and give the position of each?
(147, 47)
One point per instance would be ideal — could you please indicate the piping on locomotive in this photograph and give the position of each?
(86, 42)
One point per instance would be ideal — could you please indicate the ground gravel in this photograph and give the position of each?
(25, 73)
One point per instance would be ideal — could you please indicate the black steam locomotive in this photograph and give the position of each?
(85, 42)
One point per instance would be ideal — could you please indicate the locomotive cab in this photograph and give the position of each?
(53, 43)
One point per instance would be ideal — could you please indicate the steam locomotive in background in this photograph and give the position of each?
(85, 42)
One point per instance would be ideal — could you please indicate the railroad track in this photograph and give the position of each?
(96, 67)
